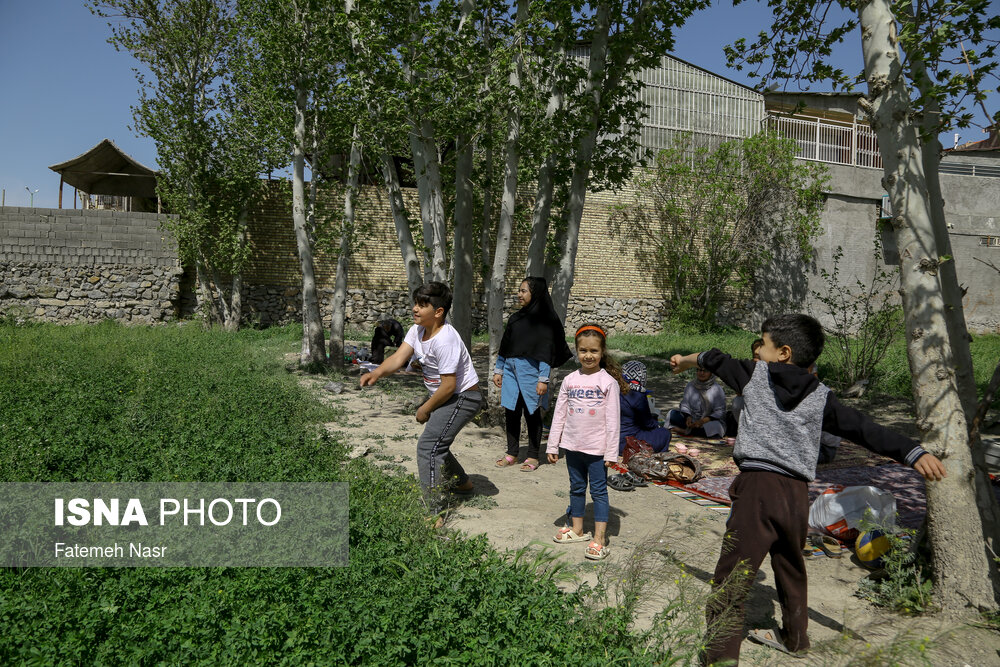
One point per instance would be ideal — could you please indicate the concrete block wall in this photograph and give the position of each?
(96, 264)
(850, 220)
(70, 265)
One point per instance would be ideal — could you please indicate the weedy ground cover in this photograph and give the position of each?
(110, 403)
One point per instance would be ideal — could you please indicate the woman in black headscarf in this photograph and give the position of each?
(533, 343)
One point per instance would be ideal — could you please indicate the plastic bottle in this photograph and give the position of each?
(653, 410)
(354, 354)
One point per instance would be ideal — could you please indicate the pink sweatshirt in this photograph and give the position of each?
(587, 414)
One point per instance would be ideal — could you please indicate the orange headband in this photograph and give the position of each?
(591, 327)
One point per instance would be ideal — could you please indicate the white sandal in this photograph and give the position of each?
(566, 535)
(597, 551)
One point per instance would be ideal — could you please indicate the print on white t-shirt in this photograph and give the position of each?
(443, 353)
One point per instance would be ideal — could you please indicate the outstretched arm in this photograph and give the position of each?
(395, 361)
(930, 467)
(683, 362)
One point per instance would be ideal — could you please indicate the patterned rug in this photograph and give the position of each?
(716, 457)
(853, 466)
(905, 484)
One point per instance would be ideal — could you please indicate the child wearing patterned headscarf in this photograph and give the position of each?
(636, 419)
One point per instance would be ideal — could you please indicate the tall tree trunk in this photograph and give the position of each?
(486, 228)
(224, 314)
(486, 222)
(236, 298)
(958, 333)
(313, 345)
(338, 301)
(439, 226)
(961, 565)
(464, 244)
(563, 282)
(402, 222)
(206, 298)
(512, 158)
(417, 148)
(429, 190)
(543, 198)
(461, 312)
(954, 312)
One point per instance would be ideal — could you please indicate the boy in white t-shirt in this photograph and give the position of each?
(450, 377)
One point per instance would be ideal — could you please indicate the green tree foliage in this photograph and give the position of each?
(209, 163)
(707, 222)
(921, 80)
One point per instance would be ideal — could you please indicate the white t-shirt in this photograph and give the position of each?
(443, 353)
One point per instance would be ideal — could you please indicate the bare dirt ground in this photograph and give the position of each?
(519, 510)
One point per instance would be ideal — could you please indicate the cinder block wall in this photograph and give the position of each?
(69, 265)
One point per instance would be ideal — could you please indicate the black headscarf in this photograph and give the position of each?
(536, 331)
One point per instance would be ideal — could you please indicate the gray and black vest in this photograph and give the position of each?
(773, 438)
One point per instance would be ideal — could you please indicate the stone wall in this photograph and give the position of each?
(281, 305)
(67, 265)
(608, 288)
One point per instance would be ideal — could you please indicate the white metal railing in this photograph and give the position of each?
(830, 141)
(969, 169)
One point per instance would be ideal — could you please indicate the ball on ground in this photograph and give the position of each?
(870, 547)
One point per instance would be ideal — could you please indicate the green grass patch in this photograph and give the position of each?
(684, 341)
(110, 403)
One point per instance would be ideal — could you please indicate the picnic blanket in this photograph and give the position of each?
(853, 466)
(905, 484)
(716, 457)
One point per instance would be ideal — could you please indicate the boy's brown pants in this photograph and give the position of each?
(770, 515)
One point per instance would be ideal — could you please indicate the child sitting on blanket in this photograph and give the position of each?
(636, 419)
(702, 408)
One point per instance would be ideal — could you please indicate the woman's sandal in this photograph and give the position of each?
(566, 535)
(597, 551)
(620, 483)
(529, 467)
(506, 460)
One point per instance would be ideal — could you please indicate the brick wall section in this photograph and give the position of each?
(69, 265)
(607, 288)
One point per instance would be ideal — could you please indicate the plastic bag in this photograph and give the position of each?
(838, 510)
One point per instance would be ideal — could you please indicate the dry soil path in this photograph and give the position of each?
(518, 510)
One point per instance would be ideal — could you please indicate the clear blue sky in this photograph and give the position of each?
(64, 88)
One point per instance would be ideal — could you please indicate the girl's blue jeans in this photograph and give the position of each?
(583, 467)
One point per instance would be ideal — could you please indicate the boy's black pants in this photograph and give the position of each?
(770, 515)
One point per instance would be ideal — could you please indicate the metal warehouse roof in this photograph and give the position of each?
(107, 170)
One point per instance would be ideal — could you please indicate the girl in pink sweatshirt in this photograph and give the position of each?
(585, 423)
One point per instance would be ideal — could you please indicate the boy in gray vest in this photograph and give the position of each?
(777, 444)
